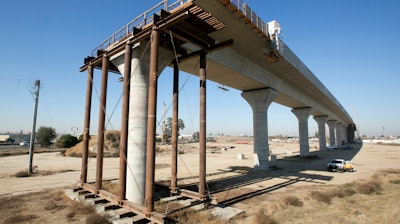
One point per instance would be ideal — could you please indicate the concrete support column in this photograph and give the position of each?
(321, 121)
(138, 106)
(101, 128)
(338, 128)
(302, 115)
(86, 126)
(344, 134)
(331, 125)
(259, 101)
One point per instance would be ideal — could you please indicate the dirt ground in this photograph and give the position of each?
(230, 179)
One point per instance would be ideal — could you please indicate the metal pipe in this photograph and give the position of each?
(151, 122)
(101, 128)
(174, 137)
(86, 125)
(124, 123)
(202, 134)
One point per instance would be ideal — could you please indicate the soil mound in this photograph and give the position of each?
(111, 145)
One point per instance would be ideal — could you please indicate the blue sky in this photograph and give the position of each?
(351, 46)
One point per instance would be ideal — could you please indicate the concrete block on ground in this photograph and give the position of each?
(225, 213)
(240, 156)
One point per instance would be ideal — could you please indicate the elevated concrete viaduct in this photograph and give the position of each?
(219, 40)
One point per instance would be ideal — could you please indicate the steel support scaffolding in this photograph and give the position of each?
(202, 134)
(86, 126)
(124, 123)
(174, 137)
(151, 122)
(101, 128)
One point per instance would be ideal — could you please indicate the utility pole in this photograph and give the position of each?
(32, 142)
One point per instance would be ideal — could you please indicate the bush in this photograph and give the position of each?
(261, 217)
(369, 187)
(325, 197)
(97, 219)
(66, 141)
(345, 190)
(23, 173)
(293, 201)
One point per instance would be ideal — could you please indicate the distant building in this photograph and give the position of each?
(16, 137)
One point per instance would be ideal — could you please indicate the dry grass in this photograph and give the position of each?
(263, 217)
(293, 201)
(24, 173)
(97, 219)
(48, 206)
(373, 200)
(195, 217)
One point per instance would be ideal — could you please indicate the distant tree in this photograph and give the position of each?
(168, 127)
(80, 138)
(66, 141)
(196, 136)
(10, 140)
(45, 136)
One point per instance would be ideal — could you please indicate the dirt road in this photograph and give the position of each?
(224, 169)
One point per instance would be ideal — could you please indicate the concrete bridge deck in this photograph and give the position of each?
(244, 65)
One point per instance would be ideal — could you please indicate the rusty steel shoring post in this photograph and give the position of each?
(101, 128)
(151, 122)
(202, 134)
(124, 123)
(174, 137)
(86, 125)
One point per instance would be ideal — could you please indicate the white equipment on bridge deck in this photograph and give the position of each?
(274, 31)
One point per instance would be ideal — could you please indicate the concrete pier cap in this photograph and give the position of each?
(138, 106)
(302, 115)
(259, 101)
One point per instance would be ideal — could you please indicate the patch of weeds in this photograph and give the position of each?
(370, 187)
(79, 208)
(75, 154)
(325, 197)
(274, 168)
(22, 173)
(20, 218)
(395, 181)
(195, 217)
(345, 190)
(262, 217)
(293, 201)
(97, 219)
(110, 187)
(392, 171)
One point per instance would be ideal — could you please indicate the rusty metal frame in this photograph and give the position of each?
(86, 128)
(124, 123)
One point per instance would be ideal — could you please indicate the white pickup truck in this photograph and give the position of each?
(340, 165)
